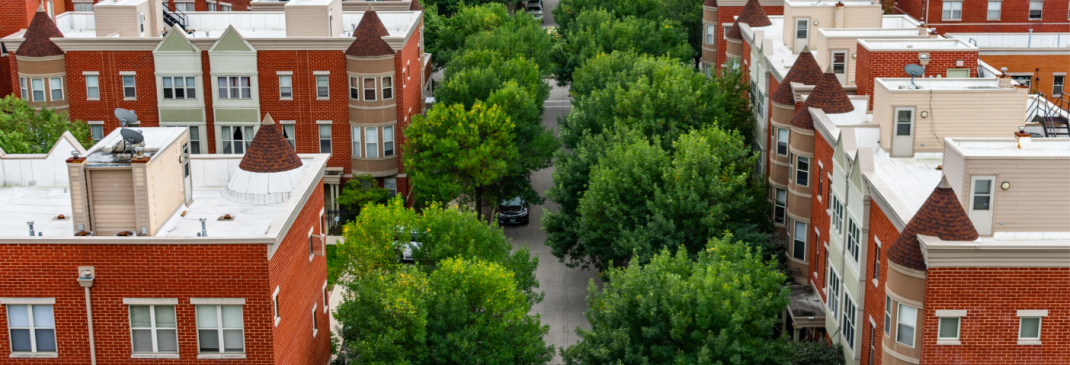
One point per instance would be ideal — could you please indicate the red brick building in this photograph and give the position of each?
(717, 17)
(1038, 61)
(968, 16)
(144, 256)
(888, 58)
(348, 89)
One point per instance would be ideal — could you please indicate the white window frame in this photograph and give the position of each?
(153, 328)
(941, 316)
(218, 304)
(96, 125)
(388, 138)
(849, 320)
(129, 91)
(783, 136)
(1041, 10)
(186, 89)
(89, 90)
(228, 138)
(83, 4)
(998, 9)
(711, 34)
(370, 145)
(315, 328)
(289, 128)
(326, 297)
(900, 325)
(837, 213)
(34, 89)
(311, 245)
(30, 303)
(1057, 89)
(804, 173)
(780, 203)
(286, 92)
(275, 305)
(888, 315)
(796, 240)
(364, 89)
(805, 22)
(225, 91)
(55, 84)
(833, 283)
(355, 133)
(854, 240)
(951, 10)
(321, 126)
(1031, 314)
(24, 88)
(322, 84)
(383, 82)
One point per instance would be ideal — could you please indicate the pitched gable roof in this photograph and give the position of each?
(805, 70)
(369, 33)
(37, 36)
(269, 151)
(942, 216)
(415, 6)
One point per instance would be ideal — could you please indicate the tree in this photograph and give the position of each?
(362, 190)
(474, 74)
(816, 353)
(686, 15)
(655, 96)
(448, 30)
(537, 143)
(638, 198)
(456, 152)
(596, 32)
(721, 308)
(26, 130)
(520, 37)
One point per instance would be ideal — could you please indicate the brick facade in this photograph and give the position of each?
(992, 297)
(880, 229)
(1014, 16)
(109, 64)
(727, 15)
(819, 217)
(876, 64)
(1040, 66)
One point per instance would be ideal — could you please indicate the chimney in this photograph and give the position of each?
(922, 30)
(1024, 138)
(1004, 81)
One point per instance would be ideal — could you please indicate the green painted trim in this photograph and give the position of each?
(231, 41)
(175, 42)
(237, 115)
(182, 115)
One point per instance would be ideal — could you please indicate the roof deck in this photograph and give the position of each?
(1015, 40)
(1009, 148)
(905, 183)
(925, 84)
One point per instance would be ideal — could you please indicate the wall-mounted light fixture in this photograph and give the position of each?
(854, 56)
(923, 58)
(816, 22)
(1006, 185)
(924, 113)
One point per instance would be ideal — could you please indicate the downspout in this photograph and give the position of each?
(85, 279)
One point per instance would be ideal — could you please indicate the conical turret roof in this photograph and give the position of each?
(415, 6)
(805, 70)
(753, 14)
(38, 34)
(269, 151)
(369, 33)
(828, 96)
(941, 216)
(710, 3)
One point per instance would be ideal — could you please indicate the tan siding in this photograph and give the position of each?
(789, 26)
(882, 115)
(954, 170)
(1037, 200)
(165, 191)
(862, 16)
(306, 21)
(112, 201)
(116, 18)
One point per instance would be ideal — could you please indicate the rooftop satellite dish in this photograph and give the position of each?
(132, 137)
(125, 116)
(914, 71)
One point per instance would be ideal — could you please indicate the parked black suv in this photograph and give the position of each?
(513, 211)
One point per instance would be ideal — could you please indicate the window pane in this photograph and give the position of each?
(20, 340)
(949, 327)
(984, 187)
(206, 316)
(165, 316)
(167, 340)
(209, 340)
(128, 80)
(46, 339)
(18, 316)
(980, 203)
(139, 316)
(233, 341)
(232, 317)
(1030, 328)
(142, 340)
(42, 316)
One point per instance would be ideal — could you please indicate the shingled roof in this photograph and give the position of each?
(710, 3)
(753, 15)
(942, 216)
(415, 6)
(269, 151)
(369, 33)
(828, 96)
(805, 70)
(37, 36)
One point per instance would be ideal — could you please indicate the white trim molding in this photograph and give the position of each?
(951, 313)
(217, 301)
(1032, 313)
(28, 301)
(150, 301)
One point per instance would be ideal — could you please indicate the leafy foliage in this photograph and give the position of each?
(520, 37)
(456, 152)
(596, 32)
(25, 130)
(816, 353)
(362, 190)
(464, 300)
(721, 308)
(448, 30)
(684, 15)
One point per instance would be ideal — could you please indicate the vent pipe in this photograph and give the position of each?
(204, 229)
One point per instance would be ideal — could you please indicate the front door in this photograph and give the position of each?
(981, 194)
(802, 33)
(839, 65)
(903, 134)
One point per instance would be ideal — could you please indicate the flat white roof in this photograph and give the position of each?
(905, 183)
(1008, 147)
(798, 3)
(930, 44)
(872, 32)
(934, 83)
(1015, 40)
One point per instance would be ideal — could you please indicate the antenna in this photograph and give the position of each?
(125, 116)
(914, 71)
(130, 136)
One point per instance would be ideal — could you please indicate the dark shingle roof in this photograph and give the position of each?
(734, 32)
(754, 15)
(269, 151)
(941, 216)
(415, 6)
(369, 33)
(828, 96)
(37, 36)
(710, 3)
(805, 70)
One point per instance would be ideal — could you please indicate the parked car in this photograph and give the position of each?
(407, 247)
(513, 211)
(535, 9)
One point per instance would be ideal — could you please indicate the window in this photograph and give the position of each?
(211, 6)
(224, 7)
(184, 6)
(887, 315)
(275, 305)
(55, 87)
(195, 139)
(32, 328)
(872, 341)
(853, 234)
(798, 247)
(780, 203)
(391, 185)
(140, 22)
(388, 88)
(96, 132)
(323, 89)
(949, 329)
(905, 321)
(994, 9)
(834, 292)
(952, 10)
(903, 120)
(802, 170)
(220, 329)
(354, 88)
(820, 181)
(179, 88)
(782, 141)
(802, 28)
(839, 61)
(236, 138)
(369, 89)
(314, 329)
(25, 90)
(129, 87)
(1036, 9)
(849, 320)
(235, 87)
(388, 141)
(982, 194)
(371, 142)
(1029, 328)
(83, 7)
(958, 72)
(1057, 85)
(288, 134)
(325, 297)
(356, 141)
(710, 33)
(876, 263)
(153, 329)
(286, 87)
(1024, 80)
(325, 138)
(92, 87)
(37, 89)
(837, 214)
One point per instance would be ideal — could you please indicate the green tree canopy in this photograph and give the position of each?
(596, 32)
(26, 130)
(638, 198)
(655, 96)
(456, 152)
(447, 30)
(685, 15)
(721, 308)
(521, 36)
(474, 74)
(362, 190)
